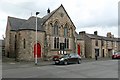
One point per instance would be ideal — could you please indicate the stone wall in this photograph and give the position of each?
(12, 44)
(96, 47)
(62, 20)
(7, 40)
(27, 52)
(88, 47)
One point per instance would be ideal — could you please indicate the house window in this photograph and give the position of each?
(24, 43)
(66, 30)
(56, 28)
(102, 42)
(56, 43)
(96, 43)
(66, 41)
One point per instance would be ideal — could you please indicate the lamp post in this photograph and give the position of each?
(36, 40)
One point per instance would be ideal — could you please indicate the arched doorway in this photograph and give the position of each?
(38, 50)
(78, 49)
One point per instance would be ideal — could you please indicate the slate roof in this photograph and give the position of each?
(31, 24)
(92, 36)
(15, 22)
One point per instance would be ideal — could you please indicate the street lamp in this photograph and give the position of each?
(36, 40)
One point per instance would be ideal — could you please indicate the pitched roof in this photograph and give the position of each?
(92, 36)
(15, 23)
(31, 24)
(20, 24)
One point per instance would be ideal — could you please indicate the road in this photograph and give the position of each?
(94, 69)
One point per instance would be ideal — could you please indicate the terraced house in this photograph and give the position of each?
(100, 45)
(53, 29)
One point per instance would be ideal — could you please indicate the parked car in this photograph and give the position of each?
(67, 59)
(116, 55)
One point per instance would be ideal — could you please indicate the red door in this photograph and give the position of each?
(78, 49)
(38, 50)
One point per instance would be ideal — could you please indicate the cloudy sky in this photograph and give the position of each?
(87, 15)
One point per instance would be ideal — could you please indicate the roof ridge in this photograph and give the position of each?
(101, 37)
(15, 18)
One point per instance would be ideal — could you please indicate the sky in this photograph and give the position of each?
(87, 15)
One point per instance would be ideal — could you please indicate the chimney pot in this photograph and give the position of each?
(48, 11)
(95, 33)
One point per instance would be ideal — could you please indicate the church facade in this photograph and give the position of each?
(53, 30)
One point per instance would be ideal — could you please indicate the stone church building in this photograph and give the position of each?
(52, 30)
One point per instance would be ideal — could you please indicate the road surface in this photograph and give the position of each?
(95, 69)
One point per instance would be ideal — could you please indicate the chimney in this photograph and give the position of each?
(48, 11)
(109, 34)
(82, 33)
(95, 33)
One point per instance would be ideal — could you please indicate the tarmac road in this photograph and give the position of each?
(93, 69)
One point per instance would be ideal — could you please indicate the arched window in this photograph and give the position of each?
(56, 28)
(66, 30)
